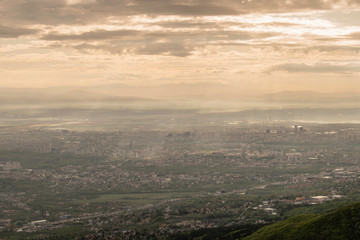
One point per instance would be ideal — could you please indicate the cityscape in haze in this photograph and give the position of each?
(169, 119)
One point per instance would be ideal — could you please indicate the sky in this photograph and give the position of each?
(227, 47)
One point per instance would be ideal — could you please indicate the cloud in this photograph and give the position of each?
(92, 35)
(91, 48)
(9, 32)
(57, 12)
(45, 12)
(355, 35)
(224, 7)
(166, 48)
(176, 48)
(207, 35)
(316, 68)
(196, 8)
(161, 42)
(150, 27)
(194, 24)
(331, 49)
(343, 18)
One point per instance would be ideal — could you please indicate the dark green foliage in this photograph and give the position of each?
(8, 185)
(68, 232)
(343, 223)
(47, 160)
(234, 232)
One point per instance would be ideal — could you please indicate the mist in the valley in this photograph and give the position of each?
(141, 107)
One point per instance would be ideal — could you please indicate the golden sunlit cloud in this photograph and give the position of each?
(238, 44)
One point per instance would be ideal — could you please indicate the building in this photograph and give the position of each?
(5, 224)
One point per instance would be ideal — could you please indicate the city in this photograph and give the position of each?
(165, 181)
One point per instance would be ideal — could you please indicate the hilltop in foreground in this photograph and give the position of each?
(340, 224)
(343, 223)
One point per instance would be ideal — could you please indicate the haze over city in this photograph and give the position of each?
(179, 119)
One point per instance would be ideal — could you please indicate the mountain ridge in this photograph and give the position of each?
(342, 223)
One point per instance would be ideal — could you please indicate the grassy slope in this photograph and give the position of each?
(343, 223)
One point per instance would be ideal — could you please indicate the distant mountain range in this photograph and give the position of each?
(309, 96)
(195, 96)
(59, 96)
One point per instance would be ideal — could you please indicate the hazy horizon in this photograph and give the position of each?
(205, 51)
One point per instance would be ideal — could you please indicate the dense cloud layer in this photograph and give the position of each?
(317, 68)
(9, 32)
(57, 12)
(160, 41)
